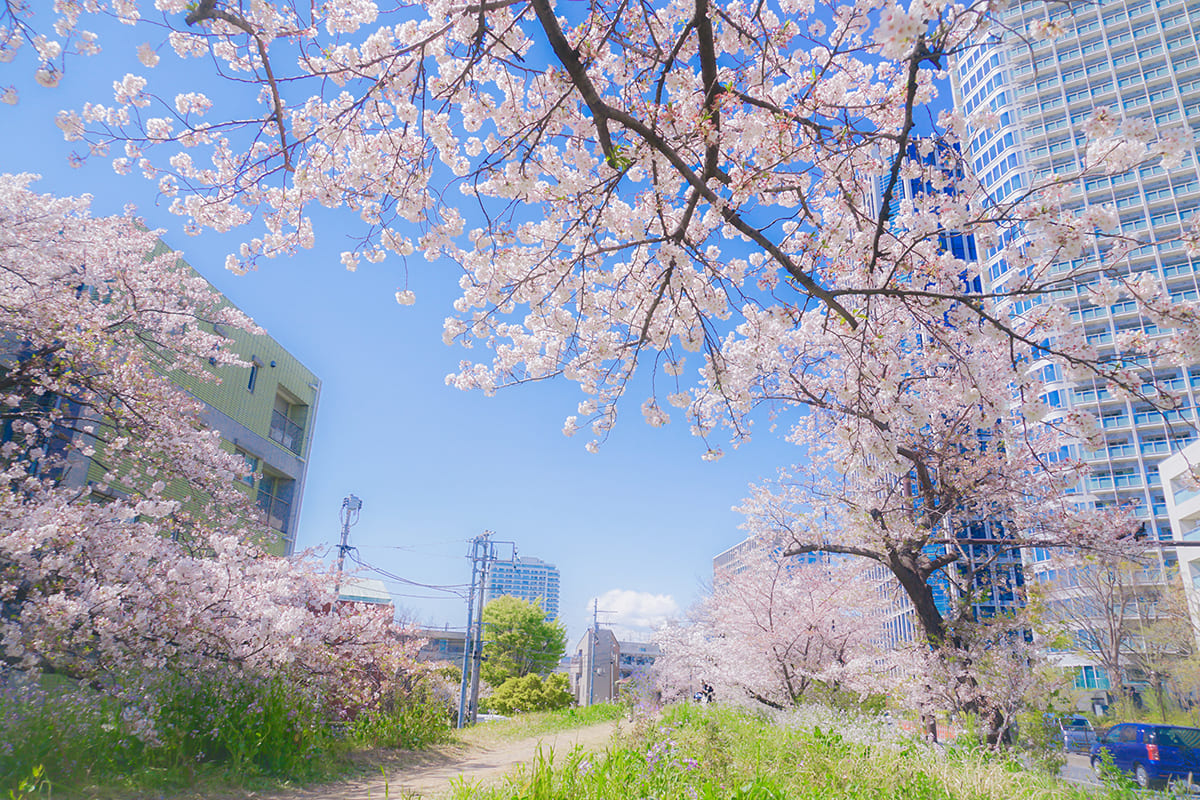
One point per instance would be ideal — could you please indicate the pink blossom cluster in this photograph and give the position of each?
(127, 549)
(630, 190)
(779, 633)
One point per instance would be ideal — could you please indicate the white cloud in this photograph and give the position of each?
(634, 614)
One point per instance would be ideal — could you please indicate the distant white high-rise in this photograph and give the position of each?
(527, 578)
(1140, 58)
(1183, 505)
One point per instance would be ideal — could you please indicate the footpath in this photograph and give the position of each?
(409, 775)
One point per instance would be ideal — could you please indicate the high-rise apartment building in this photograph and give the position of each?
(527, 578)
(1140, 58)
(732, 561)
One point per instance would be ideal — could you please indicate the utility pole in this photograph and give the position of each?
(592, 641)
(490, 555)
(351, 507)
(592, 652)
(482, 553)
(472, 554)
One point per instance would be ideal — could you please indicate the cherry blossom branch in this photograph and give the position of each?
(206, 10)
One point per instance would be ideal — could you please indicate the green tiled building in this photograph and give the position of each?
(266, 413)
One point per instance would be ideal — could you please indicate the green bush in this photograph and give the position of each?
(249, 727)
(59, 738)
(530, 693)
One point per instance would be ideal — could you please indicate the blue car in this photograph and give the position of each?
(1153, 754)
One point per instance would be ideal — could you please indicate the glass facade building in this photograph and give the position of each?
(991, 575)
(1139, 58)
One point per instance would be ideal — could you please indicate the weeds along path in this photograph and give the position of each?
(429, 774)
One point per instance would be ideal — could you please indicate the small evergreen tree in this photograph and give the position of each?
(519, 640)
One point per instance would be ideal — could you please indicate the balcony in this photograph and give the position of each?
(286, 432)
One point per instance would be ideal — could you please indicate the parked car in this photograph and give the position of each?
(1153, 754)
(1072, 733)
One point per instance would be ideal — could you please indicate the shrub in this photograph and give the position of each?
(252, 727)
(530, 693)
(58, 737)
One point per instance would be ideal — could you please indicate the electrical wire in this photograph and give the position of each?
(449, 588)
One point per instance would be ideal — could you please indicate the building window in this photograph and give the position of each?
(1092, 678)
(287, 423)
(251, 464)
(275, 499)
(253, 379)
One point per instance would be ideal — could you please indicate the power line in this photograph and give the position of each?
(424, 596)
(442, 587)
(425, 548)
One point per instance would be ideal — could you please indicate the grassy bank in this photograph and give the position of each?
(705, 753)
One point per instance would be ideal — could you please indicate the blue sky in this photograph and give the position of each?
(636, 525)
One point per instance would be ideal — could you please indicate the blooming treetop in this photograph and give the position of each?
(152, 570)
(702, 189)
(780, 633)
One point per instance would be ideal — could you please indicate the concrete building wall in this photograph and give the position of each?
(266, 412)
(594, 670)
(1183, 510)
(608, 663)
(442, 646)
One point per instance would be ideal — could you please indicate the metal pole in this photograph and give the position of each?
(466, 665)
(485, 562)
(351, 506)
(592, 653)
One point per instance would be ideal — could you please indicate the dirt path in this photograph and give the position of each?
(412, 775)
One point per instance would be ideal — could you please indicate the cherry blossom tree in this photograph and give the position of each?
(626, 185)
(780, 632)
(946, 514)
(709, 193)
(1121, 613)
(152, 566)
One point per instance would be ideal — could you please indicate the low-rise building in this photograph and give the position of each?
(264, 412)
(442, 645)
(601, 663)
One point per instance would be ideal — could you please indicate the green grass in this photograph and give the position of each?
(63, 740)
(699, 753)
(58, 739)
(523, 726)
